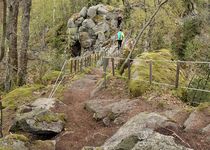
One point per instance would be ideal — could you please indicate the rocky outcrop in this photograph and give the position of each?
(139, 133)
(38, 119)
(14, 142)
(20, 142)
(93, 26)
(109, 110)
(196, 121)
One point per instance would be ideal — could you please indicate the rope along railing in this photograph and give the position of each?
(76, 65)
(151, 69)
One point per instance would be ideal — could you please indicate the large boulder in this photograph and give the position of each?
(85, 40)
(71, 23)
(88, 23)
(83, 12)
(109, 108)
(139, 134)
(102, 10)
(92, 11)
(73, 32)
(206, 129)
(37, 119)
(79, 21)
(196, 121)
(101, 27)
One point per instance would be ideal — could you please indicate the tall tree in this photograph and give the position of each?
(2, 50)
(23, 59)
(12, 62)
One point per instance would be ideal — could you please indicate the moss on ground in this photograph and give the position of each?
(50, 76)
(20, 96)
(163, 72)
(204, 106)
(5, 148)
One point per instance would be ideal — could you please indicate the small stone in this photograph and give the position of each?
(119, 121)
(71, 23)
(106, 121)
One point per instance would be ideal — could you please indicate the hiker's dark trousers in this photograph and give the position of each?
(119, 44)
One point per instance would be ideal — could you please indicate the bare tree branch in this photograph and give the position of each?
(141, 33)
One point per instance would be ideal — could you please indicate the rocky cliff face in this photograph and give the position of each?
(91, 28)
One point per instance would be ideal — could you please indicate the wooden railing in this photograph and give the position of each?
(176, 84)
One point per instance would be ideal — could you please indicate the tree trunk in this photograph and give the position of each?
(2, 51)
(11, 72)
(23, 59)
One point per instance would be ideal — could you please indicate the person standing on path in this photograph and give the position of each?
(120, 37)
(119, 21)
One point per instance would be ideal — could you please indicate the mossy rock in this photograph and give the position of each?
(21, 95)
(14, 142)
(127, 143)
(97, 19)
(51, 117)
(163, 72)
(17, 137)
(39, 122)
(50, 77)
(204, 106)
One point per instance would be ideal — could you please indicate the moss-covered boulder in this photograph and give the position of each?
(38, 119)
(39, 123)
(162, 71)
(21, 142)
(21, 96)
(14, 142)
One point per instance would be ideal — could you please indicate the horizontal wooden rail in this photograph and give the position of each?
(170, 61)
(150, 81)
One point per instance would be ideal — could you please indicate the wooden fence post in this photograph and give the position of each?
(105, 63)
(1, 125)
(90, 60)
(71, 66)
(75, 66)
(129, 69)
(113, 72)
(85, 61)
(81, 60)
(78, 66)
(95, 58)
(150, 72)
(177, 74)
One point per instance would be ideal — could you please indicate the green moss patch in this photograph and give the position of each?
(162, 72)
(49, 118)
(21, 95)
(204, 106)
(50, 77)
(17, 137)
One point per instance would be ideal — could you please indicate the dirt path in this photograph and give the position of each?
(81, 128)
